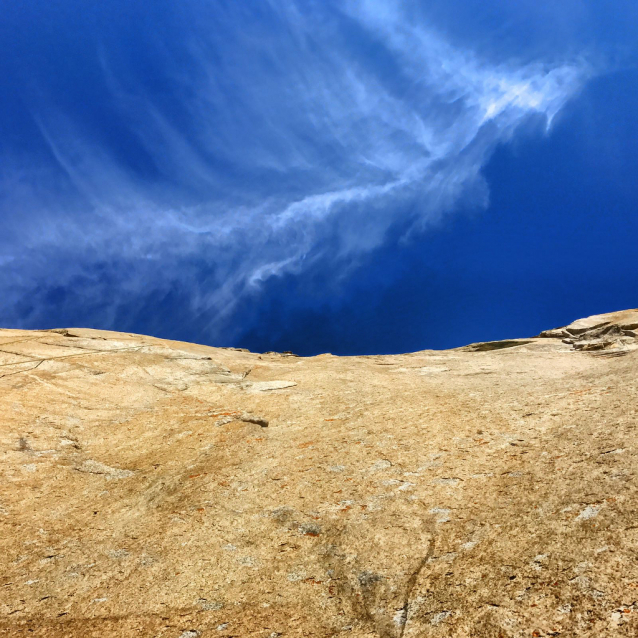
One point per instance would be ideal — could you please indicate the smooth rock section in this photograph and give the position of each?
(163, 489)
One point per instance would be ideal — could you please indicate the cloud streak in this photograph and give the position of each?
(261, 141)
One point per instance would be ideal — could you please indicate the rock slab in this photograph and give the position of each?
(155, 488)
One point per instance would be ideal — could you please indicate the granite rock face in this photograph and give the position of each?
(155, 488)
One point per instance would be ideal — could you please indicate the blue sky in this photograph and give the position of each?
(355, 177)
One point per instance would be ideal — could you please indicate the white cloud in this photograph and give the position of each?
(287, 140)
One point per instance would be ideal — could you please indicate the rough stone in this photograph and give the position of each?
(486, 491)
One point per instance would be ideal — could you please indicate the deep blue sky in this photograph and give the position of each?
(363, 176)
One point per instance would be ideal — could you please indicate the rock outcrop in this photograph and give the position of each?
(155, 488)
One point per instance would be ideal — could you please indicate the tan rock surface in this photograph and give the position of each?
(155, 488)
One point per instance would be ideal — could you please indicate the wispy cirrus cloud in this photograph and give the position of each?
(249, 145)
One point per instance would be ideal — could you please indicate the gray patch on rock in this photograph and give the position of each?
(442, 514)
(439, 617)
(210, 605)
(591, 511)
(452, 482)
(282, 514)
(383, 464)
(95, 467)
(368, 579)
(310, 529)
(266, 386)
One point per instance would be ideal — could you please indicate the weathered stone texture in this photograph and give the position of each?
(163, 489)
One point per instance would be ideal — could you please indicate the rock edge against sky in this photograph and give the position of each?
(157, 488)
